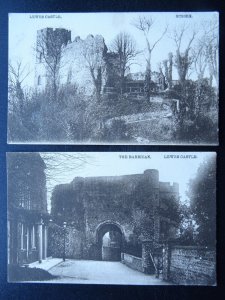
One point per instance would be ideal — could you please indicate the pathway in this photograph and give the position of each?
(100, 272)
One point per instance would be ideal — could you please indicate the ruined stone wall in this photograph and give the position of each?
(189, 265)
(79, 58)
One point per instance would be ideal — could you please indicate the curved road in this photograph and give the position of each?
(100, 272)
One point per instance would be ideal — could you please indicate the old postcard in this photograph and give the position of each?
(131, 218)
(113, 78)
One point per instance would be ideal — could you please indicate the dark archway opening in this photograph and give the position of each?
(109, 238)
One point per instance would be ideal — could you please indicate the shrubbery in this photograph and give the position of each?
(17, 273)
(197, 121)
(76, 117)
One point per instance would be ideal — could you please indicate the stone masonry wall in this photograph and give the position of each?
(189, 265)
(78, 57)
(132, 261)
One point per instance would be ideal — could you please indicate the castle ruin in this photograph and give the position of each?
(132, 209)
(87, 63)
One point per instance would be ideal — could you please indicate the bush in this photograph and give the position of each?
(116, 131)
(133, 246)
(202, 129)
(17, 273)
(154, 130)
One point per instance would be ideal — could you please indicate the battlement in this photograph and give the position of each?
(150, 178)
(48, 38)
(153, 173)
(55, 32)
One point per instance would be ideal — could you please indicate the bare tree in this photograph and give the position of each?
(145, 25)
(183, 59)
(50, 52)
(61, 165)
(205, 56)
(125, 46)
(199, 54)
(93, 53)
(168, 67)
(212, 48)
(17, 74)
(200, 58)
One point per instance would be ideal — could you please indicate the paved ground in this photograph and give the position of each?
(100, 272)
(46, 264)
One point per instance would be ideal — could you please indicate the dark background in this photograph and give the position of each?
(56, 291)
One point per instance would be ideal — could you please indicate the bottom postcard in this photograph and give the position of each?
(130, 218)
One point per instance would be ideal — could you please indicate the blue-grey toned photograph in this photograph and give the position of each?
(129, 218)
(113, 78)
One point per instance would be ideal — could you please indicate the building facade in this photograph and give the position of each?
(27, 208)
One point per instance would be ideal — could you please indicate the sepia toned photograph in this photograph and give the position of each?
(124, 218)
(113, 78)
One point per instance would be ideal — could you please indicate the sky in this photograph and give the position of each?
(179, 170)
(23, 28)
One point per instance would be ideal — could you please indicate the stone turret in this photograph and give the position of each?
(153, 177)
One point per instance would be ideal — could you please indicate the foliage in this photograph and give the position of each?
(65, 206)
(155, 130)
(194, 122)
(202, 195)
(187, 226)
(43, 119)
(200, 130)
(77, 117)
(17, 273)
(117, 131)
(133, 246)
(56, 240)
(62, 113)
(172, 209)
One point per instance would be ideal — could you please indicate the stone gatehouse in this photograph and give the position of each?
(112, 214)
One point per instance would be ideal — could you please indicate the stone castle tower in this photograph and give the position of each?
(48, 49)
(79, 62)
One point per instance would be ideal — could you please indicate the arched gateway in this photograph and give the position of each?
(110, 214)
(109, 238)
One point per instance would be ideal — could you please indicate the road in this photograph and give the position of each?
(100, 272)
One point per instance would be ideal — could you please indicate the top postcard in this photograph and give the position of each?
(114, 78)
